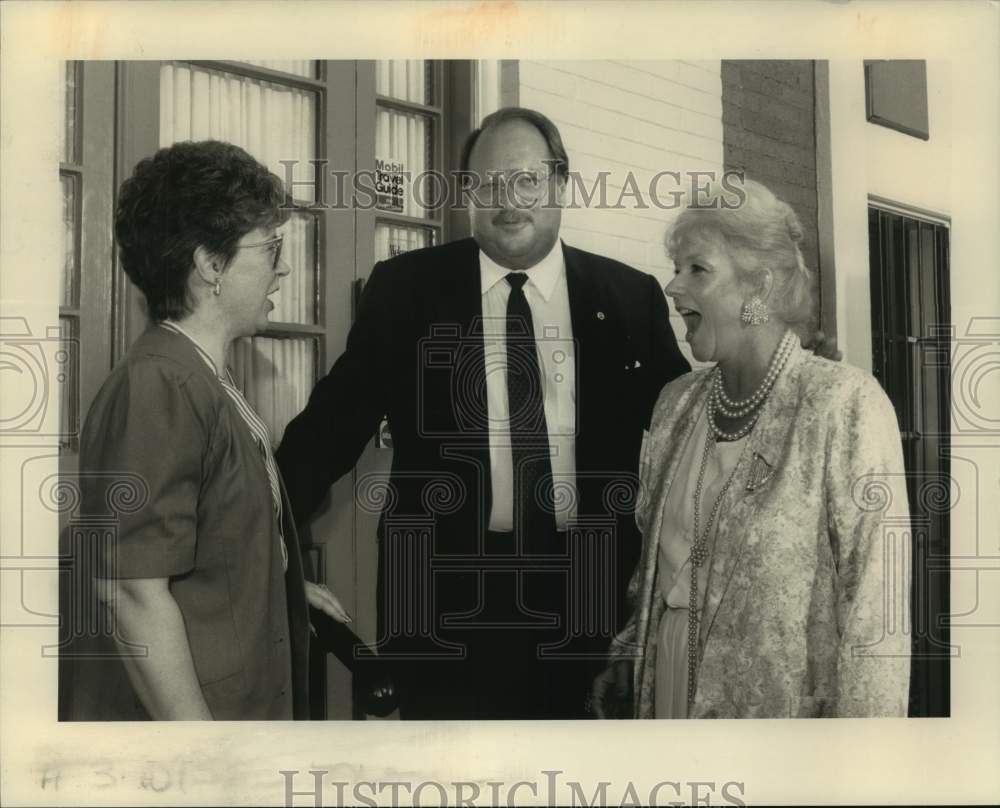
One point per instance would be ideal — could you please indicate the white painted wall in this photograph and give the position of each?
(872, 159)
(630, 116)
(955, 174)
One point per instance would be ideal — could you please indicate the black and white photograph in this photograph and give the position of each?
(466, 427)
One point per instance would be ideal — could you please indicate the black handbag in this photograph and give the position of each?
(374, 688)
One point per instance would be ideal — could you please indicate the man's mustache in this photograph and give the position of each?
(509, 217)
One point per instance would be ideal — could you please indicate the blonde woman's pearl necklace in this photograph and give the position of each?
(719, 402)
(737, 409)
(721, 434)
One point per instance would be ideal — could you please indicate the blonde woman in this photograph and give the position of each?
(774, 496)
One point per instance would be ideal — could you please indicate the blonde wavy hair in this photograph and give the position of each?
(761, 232)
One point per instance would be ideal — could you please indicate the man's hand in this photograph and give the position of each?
(320, 597)
(611, 695)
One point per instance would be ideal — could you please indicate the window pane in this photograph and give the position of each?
(68, 383)
(303, 67)
(71, 109)
(295, 301)
(403, 145)
(393, 239)
(70, 288)
(271, 121)
(276, 374)
(405, 79)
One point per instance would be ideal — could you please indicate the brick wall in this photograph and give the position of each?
(629, 117)
(768, 125)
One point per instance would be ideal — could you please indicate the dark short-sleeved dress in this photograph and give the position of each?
(164, 431)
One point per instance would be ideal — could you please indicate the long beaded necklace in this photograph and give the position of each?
(699, 555)
(699, 547)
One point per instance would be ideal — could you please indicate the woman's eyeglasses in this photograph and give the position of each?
(276, 241)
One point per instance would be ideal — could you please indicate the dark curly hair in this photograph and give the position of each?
(191, 194)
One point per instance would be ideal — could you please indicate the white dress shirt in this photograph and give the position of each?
(548, 297)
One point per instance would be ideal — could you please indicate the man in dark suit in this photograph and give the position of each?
(518, 375)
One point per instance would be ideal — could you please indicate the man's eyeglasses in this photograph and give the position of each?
(276, 241)
(524, 186)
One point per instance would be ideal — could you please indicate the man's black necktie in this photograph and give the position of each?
(534, 520)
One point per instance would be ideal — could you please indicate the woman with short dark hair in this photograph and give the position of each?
(774, 510)
(204, 579)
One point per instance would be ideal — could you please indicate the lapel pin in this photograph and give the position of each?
(600, 315)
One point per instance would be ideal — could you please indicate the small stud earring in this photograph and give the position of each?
(218, 288)
(754, 312)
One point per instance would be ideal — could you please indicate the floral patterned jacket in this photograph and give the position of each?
(807, 600)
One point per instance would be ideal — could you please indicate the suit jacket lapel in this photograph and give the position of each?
(580, 287)
(460, 302)
(591, 327)
(457, 306)
(755, 467)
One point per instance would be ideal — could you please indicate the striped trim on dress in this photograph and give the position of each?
(257, 427)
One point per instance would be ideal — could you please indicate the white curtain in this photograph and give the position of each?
(68, 292)
(405, 79)
(295, 300)
(392, 240)
(276, 376)
(487, 88)
(273, 123)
